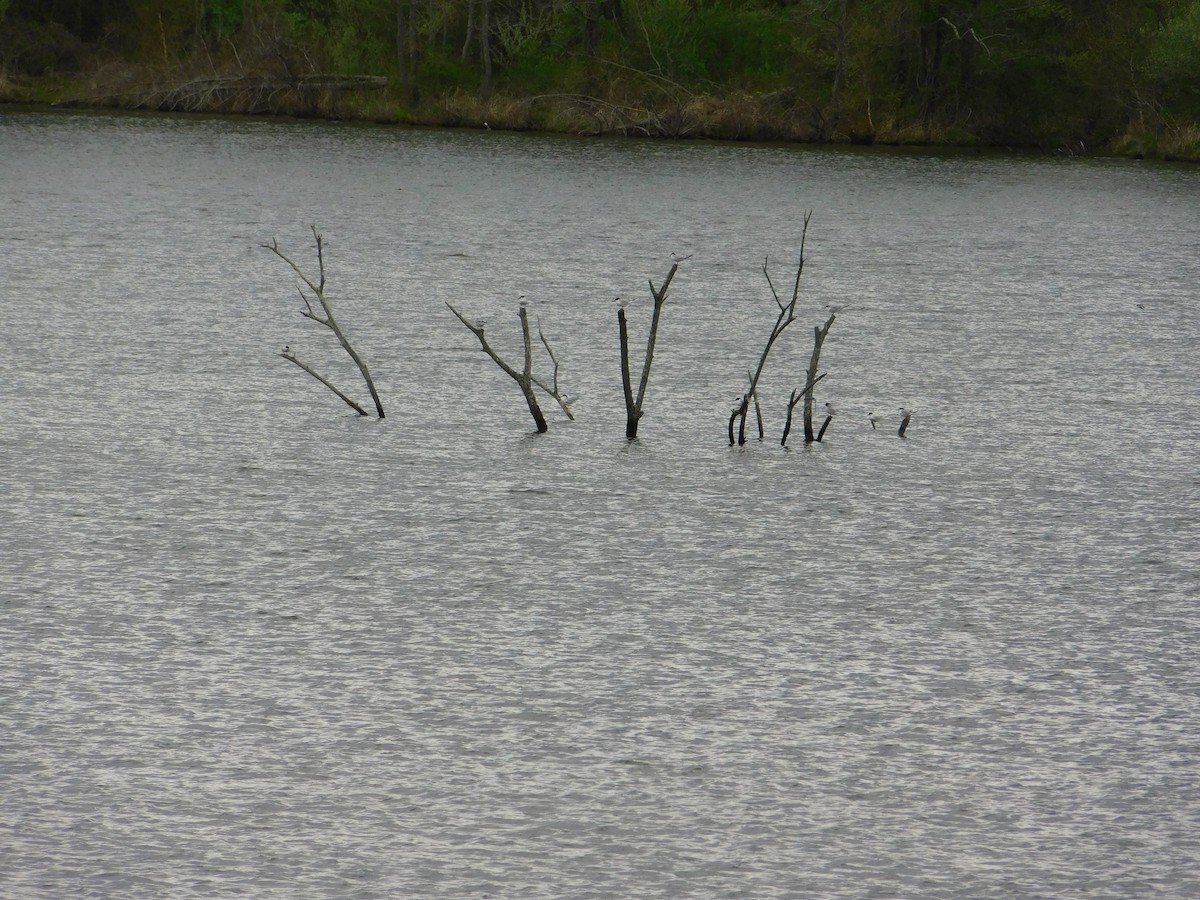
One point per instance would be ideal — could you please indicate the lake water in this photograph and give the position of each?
(254, 645)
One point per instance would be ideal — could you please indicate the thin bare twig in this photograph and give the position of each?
(562, 399)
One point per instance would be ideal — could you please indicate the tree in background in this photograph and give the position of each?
(1173, 61)
(1047, 71)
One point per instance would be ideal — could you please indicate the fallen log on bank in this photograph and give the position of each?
(254, 94)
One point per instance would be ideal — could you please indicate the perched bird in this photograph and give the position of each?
(905, 418)
(874, 420)
(568, 399)
(835, 308)
(677, 258)
(623, 303)
(524, 302)
(829, 410)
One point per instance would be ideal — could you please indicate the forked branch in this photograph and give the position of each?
(796, 397)
(634, 404)
(819, 334)
(524, 377)
(322, 314)
(787, 315)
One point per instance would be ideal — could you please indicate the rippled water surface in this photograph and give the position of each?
(253, 645)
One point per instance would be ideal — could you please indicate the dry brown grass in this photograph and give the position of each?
(1182, 143)
(465, 109)
(779, 116)
(1175, 143)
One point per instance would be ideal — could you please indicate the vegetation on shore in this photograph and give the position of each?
(1061, 75)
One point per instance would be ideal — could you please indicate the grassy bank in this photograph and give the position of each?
(736, 116)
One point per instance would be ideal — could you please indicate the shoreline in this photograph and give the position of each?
(742, 118)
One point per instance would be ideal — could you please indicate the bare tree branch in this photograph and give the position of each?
(787, 315)
(291, 357)
(326, 317)
(819, 334)
(797, 396)
(634, 405)
(973, 34)
(524, 378)
(563, 400)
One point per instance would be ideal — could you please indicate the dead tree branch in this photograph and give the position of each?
(758, 416)
(787, 315)
(634, 405)
(819, 333)
(524, 378)
(564, 400)
(324, 316)
(797, 396)
(290, 356)
(825, 424)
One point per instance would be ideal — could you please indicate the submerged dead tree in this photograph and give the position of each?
(787, 315)
(524, 378)
(828, 420)
(819, 333)
(633, 405)
(322, 314)
(796, 397)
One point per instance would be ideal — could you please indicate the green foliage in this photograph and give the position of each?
(743, 46)
(535, 72)
(1174, 62)
(1175, 47)
(534, 48)
(355, 52)
(348, 37)
(223, 17)
(442, 71)
(528, 30)
(734, 44)
(160, 31)
(310, 12)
